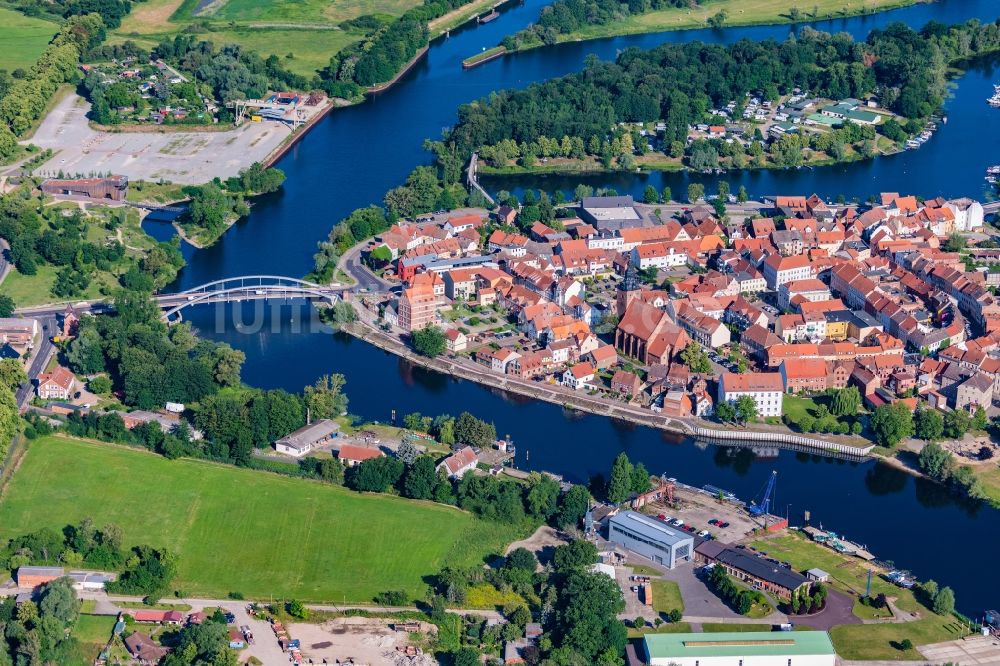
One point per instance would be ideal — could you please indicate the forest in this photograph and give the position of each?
(678, 83)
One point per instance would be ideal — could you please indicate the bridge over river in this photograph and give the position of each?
(227, 290)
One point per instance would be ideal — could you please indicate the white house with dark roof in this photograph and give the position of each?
(307, 438)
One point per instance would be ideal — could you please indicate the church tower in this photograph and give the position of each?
(628, 290)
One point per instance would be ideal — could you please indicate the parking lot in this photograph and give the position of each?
(697, 509)
(186, 157)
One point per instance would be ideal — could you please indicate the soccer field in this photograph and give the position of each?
(238, 530)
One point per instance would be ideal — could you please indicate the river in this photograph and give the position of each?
(355, 155)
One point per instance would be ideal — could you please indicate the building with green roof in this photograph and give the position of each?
(752, 648)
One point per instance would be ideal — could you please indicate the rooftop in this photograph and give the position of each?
(738, 644)
(650, 527)
(308, 435)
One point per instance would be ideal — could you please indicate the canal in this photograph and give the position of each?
(354, 156)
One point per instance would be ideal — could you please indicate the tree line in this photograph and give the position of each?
(565, 16)
(23, 100)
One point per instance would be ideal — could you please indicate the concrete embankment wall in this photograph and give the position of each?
(781, 438)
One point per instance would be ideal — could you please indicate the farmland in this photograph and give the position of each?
(237, 530)
(307, 31)
(24, 39)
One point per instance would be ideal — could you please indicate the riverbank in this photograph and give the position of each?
(573, 400)
(738, 14)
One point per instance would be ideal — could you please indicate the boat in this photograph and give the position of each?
(995, 169)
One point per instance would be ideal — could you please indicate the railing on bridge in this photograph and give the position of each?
(248, 287)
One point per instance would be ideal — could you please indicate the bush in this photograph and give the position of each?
(392, 598)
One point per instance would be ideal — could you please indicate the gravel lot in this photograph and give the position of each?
(181, 157)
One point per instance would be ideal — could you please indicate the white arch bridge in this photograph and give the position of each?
(245, 288)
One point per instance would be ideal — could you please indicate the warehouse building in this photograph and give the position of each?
(651, 538)
(610, 213)
(758, 572)
(750, 648)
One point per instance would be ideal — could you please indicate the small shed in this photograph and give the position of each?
(818, 575)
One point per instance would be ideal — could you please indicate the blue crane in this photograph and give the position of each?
(765, 503)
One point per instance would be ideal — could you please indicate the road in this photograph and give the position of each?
(364, 280)
(42, 354)
(4, 259)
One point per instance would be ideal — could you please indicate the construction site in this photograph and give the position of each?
(364, 641)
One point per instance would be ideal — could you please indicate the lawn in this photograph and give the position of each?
(27, 290)
(847, 573)
(667, 596)
(93, 632)
(302, 11)
(880, 641)
(239, 530)
(23, 39)
(739, 12)
(989, 476)
(665, 628)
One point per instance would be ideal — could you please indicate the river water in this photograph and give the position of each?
(355, 155)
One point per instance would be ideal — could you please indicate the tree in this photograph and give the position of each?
(935, 461)
(944, 601)
(573, 506)
(521, 558)
(640, 479)
(846, 401)
(376, 475)
(7, 305)
(696, 191)
(718, 19)
(326, 398)
(12, 374)
(928, 424)
(586, 618)
(891, 424)
(620, 484)
(955, 243)
(650, 195)
(420, 478)
(474, 432)
(746, 408)
(467, 657)
(542, 498)
(695, 358)
(100, 385)
(956, 423)
(429, 341)
(725, 412)
(980, 421)
(408, 451)
(741, 195)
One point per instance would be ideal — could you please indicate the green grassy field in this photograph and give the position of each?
(881, 641)
(667, 596)
(303, 11)
(239, 530)
(739, 13)
(23, 38)
(28, 290)
(306, 29)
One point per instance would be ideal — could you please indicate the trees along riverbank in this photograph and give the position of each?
(583, 115)
(575, 20)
